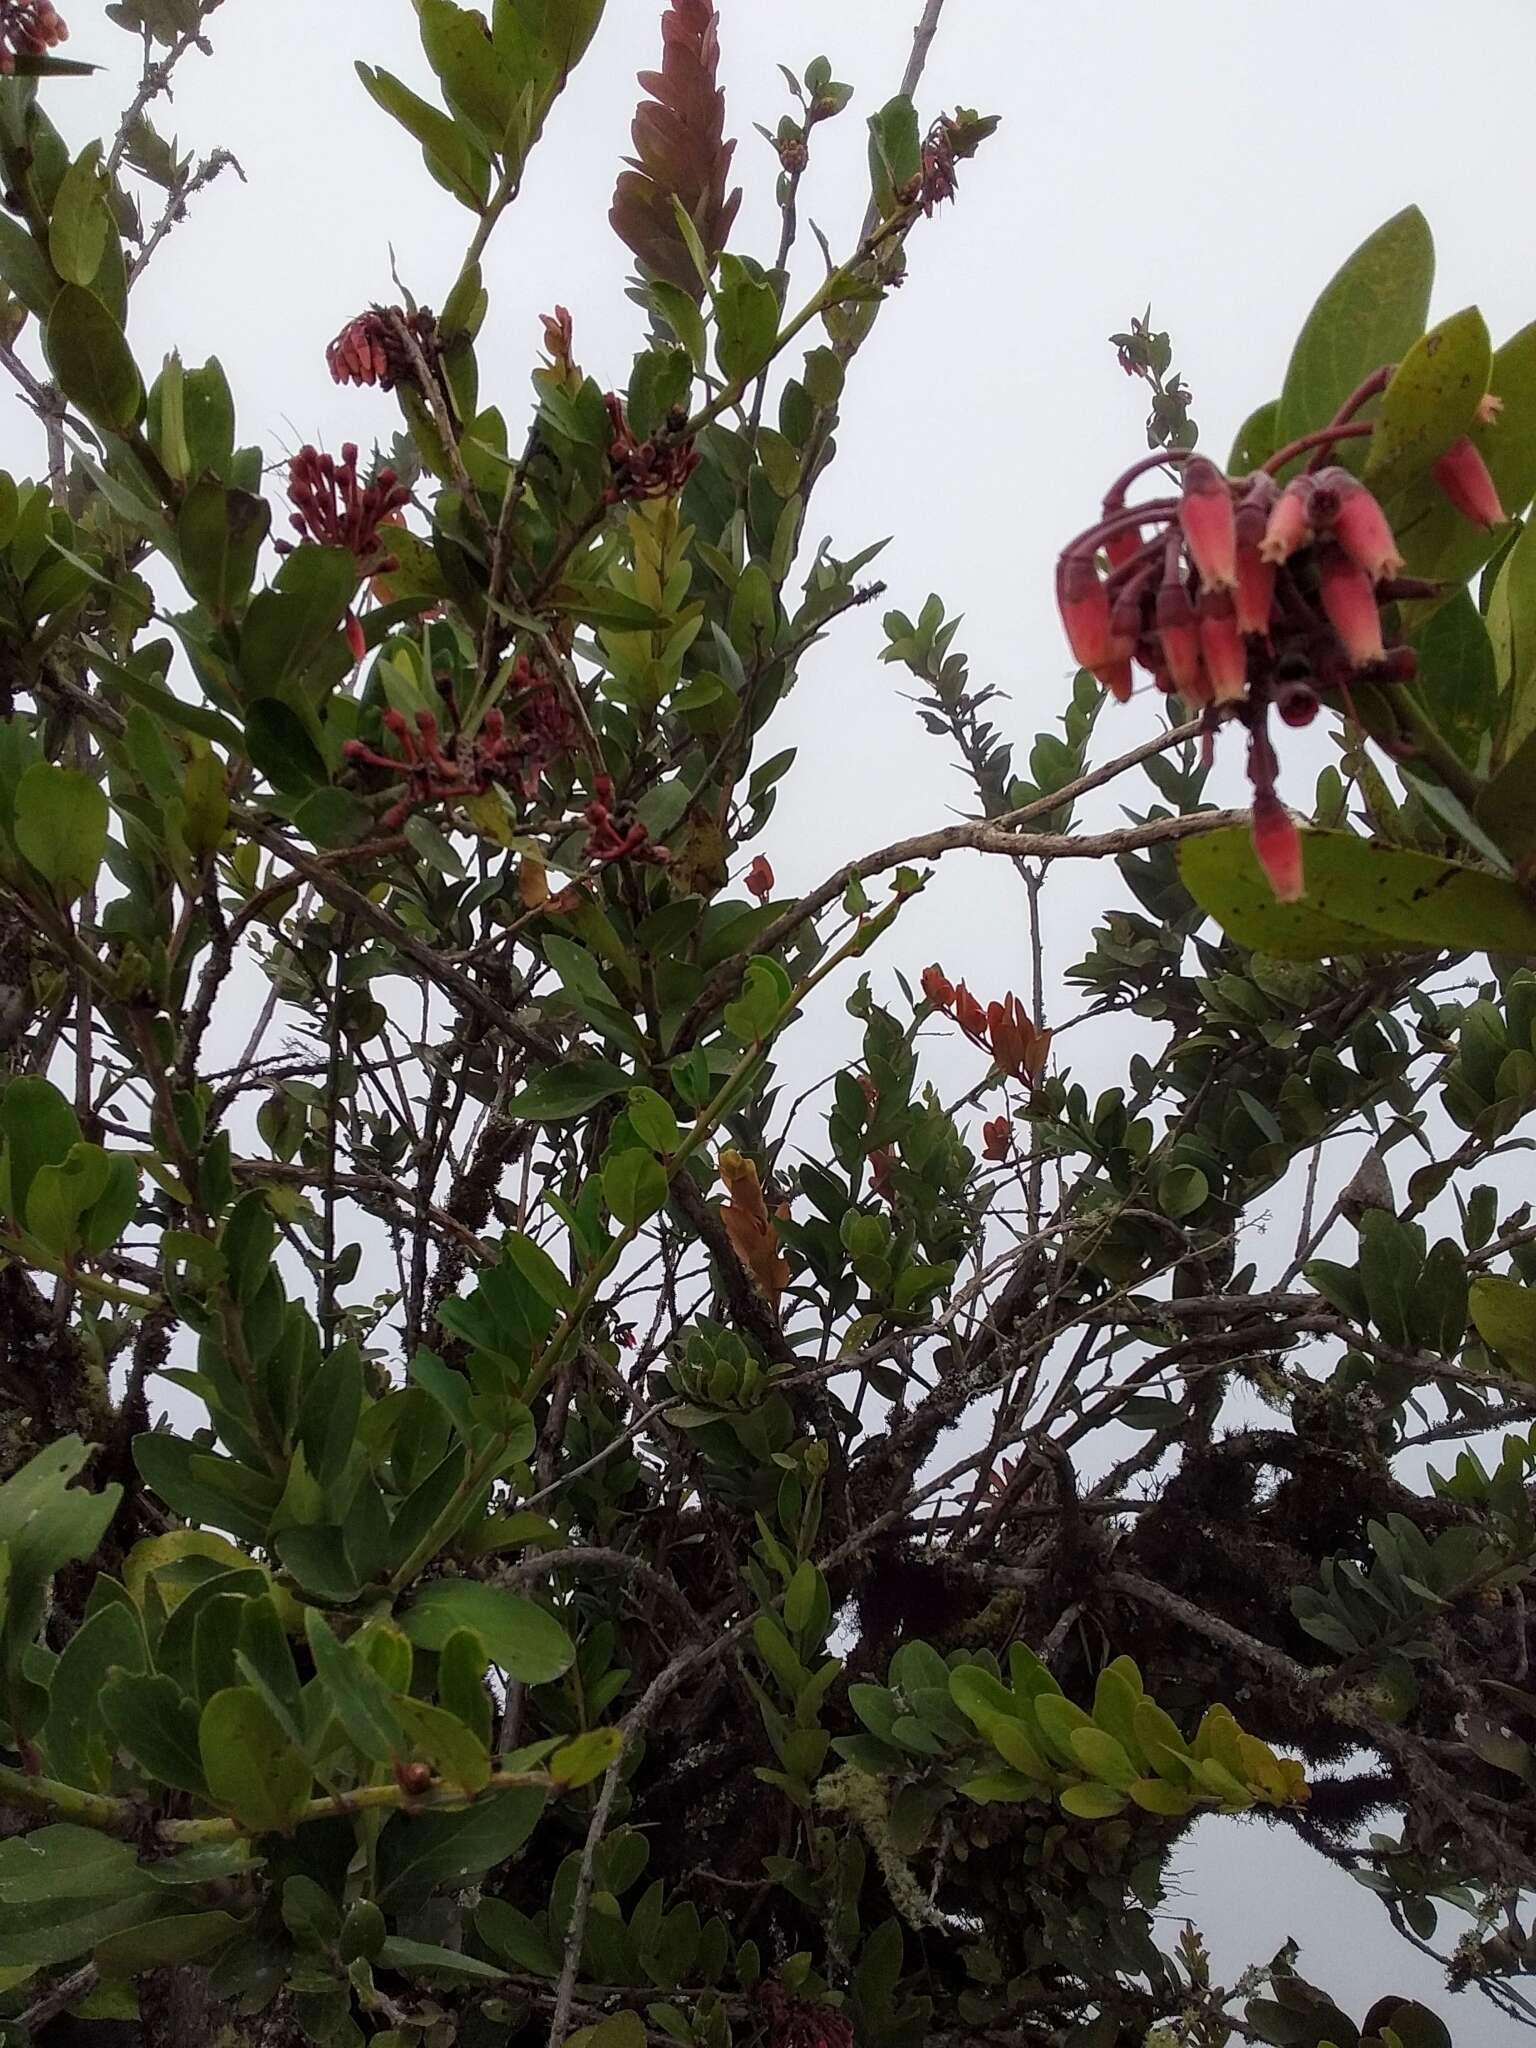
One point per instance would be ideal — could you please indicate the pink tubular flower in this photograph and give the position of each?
(1277, 842)
(1206, 516)
(759, 879)
(334, 507)
(1255, 576)
(1221, 646)
(1463, 476)
(997, 1138)
(1115, 676)
(1360, 526)
(356, 641)
(1290, 522)
(1179, 631)
(1349, 599)
(1084, 605)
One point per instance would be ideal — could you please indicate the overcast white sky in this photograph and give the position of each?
(1217, 159)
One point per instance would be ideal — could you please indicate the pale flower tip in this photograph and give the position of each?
(1489, 406)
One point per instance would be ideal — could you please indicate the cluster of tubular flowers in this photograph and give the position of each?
(657, 468)
(1243, 595)
(511, 749)
(332, 505)
(28, 28)
(1005, 1030)
(372, 348)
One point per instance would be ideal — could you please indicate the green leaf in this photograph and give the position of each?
(219, 536)
(476, 81)
(358, 1697)
(1092, 1801)
(25, 269)
(329, 1417)
(166, 1942)
(567, 1091)
(1458, 676)
(579, 1762)
(38, 1128)
(417, 1854)
(1431, 401)
(634, 1186)
(153, 1719)
(746, 320)
(61, 1195)
(455, 158)
(528, 1643)
(1504, 1315)
(441, 1739)
(1361, 898)
(1181, 1191)
(277, 742)
(91, 360)
(61, 826)
(1370, 313)
(1256, 440)
(80, 223)
(253, 1770)
(1507, 807)
(417, 1956)
(654, 1121)
(73, 1734)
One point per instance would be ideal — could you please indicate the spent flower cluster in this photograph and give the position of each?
(28, 28)
(372, 348)
(1005, 1030)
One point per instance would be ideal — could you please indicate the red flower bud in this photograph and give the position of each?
(1221, 646)
(1206, 516)
(1463, 476)
(1349, 599)
(355, 637)
(1360, 526)
(1017, 1046)
(1296, 703)
(939, 991)
(1277, 843)
(1179, 632)
(1084, 606)
(1290, 522)
(759, 880)
(1400, 666)
(997, 1138)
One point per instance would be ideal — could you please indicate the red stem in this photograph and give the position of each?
(1324, 437)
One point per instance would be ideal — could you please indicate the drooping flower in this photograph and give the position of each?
(681, 153)
(1206, 515)
(1463, 476)
(1277, 842)
(1221, 647)
(759, 879)
(1349, 599)
(1083, 603)
(1255, 593)
(1178, 629)
(1290, 522)
(1360, 526)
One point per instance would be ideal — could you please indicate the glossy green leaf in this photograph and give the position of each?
(1370, 313)
(91, 360)
(358, 1696)
(253, 1770)
(567, 1091)
(219, 536)
(1431, 401)
(1503, 1313)
(152, 1718)
(1361, 898)
(526, 1641)
(80, 223)
(634, 1186)
(61, 826)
